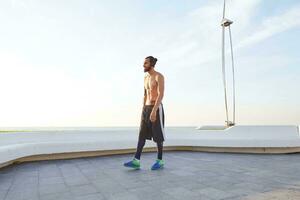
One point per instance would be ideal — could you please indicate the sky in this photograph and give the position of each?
(80, 62)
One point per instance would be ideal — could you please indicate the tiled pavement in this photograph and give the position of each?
(187, 175)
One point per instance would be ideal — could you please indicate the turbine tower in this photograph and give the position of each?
(225, 23)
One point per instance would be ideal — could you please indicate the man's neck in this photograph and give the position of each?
(151, 72)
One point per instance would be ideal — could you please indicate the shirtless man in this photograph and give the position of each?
(152, 118)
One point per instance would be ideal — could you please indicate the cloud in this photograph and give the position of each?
(196, 38)
(271, 26)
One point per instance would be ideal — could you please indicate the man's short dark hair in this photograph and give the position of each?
(152, 60)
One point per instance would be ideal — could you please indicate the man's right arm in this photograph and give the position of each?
(145, 92)
(145, 96)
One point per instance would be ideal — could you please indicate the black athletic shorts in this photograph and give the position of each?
(155, 130)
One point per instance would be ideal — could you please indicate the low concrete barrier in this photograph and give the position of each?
(45, 145)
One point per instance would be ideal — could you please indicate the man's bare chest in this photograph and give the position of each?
(150, 83)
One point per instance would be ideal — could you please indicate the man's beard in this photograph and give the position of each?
(146, 69)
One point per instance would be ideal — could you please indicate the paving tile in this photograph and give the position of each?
(108, 187)
(52, 188)
(182, 193)
(22, 194)
(5, 184)
(66, 195)
(3, 194)
(122, 196)
(214, 193)
(95, 196)
(51, 180)
(83, 190)
(76, 180)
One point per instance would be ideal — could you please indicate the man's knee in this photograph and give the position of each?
(142, 141)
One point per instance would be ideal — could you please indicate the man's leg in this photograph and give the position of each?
(135, 163)
(143, 134)
(159, 161)
(139, 149)
(159, 150)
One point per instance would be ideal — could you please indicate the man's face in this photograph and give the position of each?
(147, 65)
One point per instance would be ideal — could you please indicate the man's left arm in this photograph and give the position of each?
(160, 92)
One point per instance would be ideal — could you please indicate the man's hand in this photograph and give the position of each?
(153, 116)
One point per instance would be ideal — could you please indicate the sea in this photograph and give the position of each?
(99, 129)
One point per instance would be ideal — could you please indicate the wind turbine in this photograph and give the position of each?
(225, 23)
(244, 138)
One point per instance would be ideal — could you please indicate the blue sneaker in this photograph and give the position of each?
(135, 163)
(158, 164)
